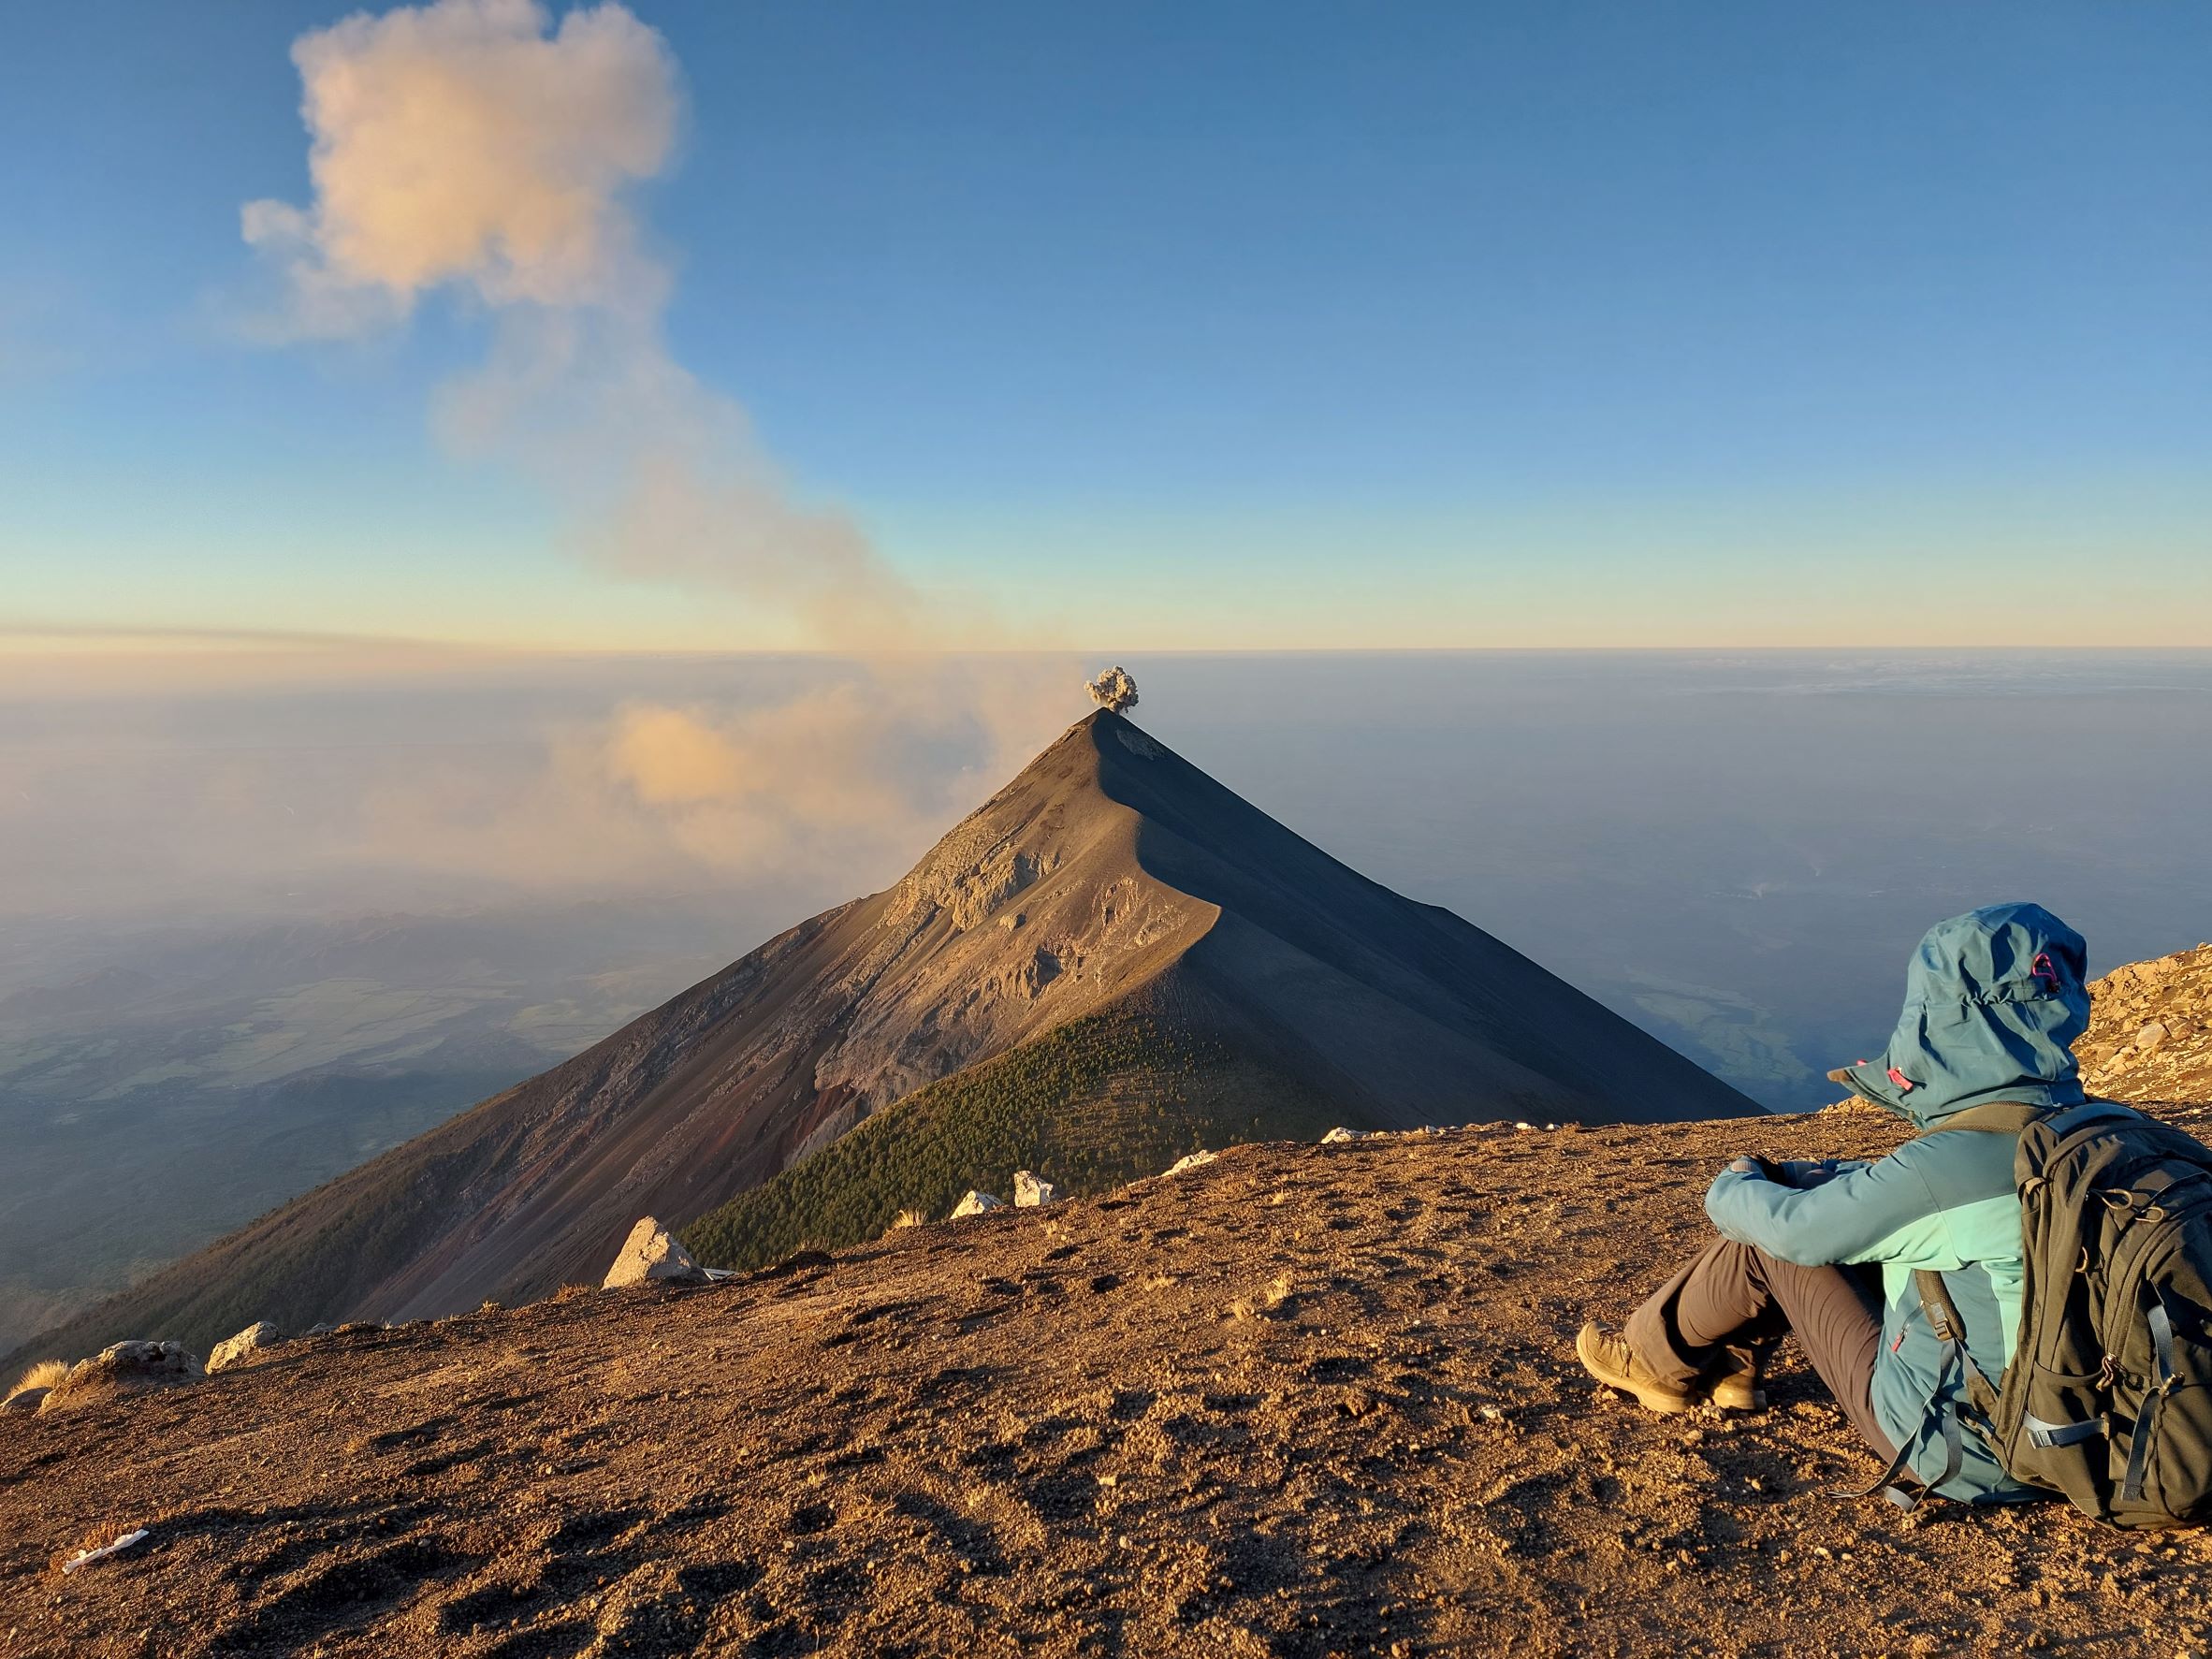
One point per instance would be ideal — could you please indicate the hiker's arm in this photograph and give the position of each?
(1815, 1172)
(1839, 1220)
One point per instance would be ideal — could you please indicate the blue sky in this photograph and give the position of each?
(1312, 324)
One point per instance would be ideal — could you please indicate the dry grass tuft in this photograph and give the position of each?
(45, 1375)
(908, 1218)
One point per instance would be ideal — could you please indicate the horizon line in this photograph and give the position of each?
(133, 639)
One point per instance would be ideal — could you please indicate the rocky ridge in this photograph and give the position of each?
(2150, 1031)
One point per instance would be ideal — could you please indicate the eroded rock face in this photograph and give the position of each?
(651, 1256)
(976, 1203)
(124, 1368)
(1033, 1190)
(1191, 1160)
(2150, 1039)
(247, 1345)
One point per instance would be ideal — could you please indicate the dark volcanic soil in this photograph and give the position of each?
(1302, 1401)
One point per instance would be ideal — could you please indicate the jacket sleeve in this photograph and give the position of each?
(1813, 1173)
(1843, 1219)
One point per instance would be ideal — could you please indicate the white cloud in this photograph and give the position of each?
(472, 145)
(461, 142)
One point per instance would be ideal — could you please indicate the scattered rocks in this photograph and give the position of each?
(976, 1203)
(2150, 1039)
(1031, 1191)
(651, 1256)
(1191, 1160)
(1337, 1136)
(236, 1350)
(123, 1368)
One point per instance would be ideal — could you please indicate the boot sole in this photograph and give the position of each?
(1665, 1402)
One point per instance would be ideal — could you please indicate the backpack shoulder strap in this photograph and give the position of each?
(2063, 1123)
(1995, 1117)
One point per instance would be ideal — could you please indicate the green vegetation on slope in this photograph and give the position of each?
(1090, 1105)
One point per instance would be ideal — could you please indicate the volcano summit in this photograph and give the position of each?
(1112, 961)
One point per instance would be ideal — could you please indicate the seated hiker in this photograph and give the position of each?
(1993, 1002)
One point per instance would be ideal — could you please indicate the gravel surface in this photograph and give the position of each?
(1300, 1401)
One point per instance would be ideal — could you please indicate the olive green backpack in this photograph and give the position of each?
(2106, 1399)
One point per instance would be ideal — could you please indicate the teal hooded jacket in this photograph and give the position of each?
(1994, 1000)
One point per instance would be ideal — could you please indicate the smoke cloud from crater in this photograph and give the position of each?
(476, 150)
(473, 146)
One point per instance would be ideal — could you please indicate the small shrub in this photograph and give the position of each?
(908, 1218)
(46, 1374)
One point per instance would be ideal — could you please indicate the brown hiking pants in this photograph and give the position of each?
(1732, 1293)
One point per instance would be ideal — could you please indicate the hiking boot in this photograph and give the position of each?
(1613, 1363)
(1733, 1380)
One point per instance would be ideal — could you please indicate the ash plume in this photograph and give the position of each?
(1113, 691)
(477, 149)
(470, 145)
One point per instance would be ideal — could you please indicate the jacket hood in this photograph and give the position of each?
(1993, 1002)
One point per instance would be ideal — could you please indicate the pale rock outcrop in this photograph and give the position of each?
(976, 1203)
(651, 1256)
(1033, 1190)
(1191, 1160)
(1338, 1135)
(245, 1346)
(124, 1368)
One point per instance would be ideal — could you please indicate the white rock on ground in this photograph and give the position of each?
(1032, 1190)
(123, 1367)
(236, 1350)
(129, 1540)
(975, 1203)
(651, 1256)
(1191, 1160)
(1338, 1135)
